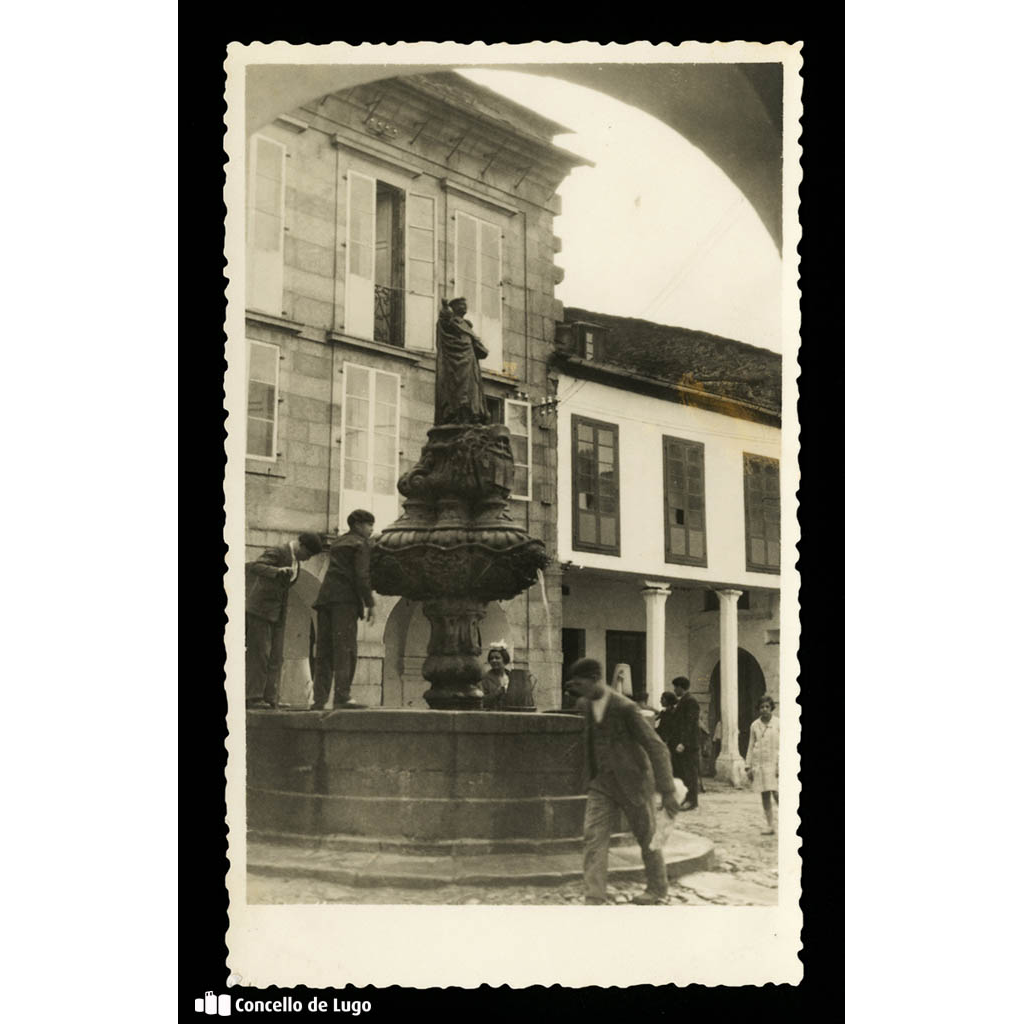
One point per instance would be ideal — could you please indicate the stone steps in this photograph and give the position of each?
(684, 853)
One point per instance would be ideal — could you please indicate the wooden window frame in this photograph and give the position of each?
(671, 556)
(277, 397)
(578, 545)
(752, 566)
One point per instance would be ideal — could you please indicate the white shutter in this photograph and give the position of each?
(360, 254)
(478, 279)
(488, 320)
(420, 248)
(265, 271)
(369, 445)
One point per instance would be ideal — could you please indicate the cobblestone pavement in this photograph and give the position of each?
(745, 872)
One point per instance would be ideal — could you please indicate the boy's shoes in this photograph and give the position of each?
(347, 704)
(649, 899)
(259, 705)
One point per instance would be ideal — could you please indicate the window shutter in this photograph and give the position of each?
(360, 254)
(421, 246)
(478, 279)
(517, 419)
(265, 276)
(369, 455)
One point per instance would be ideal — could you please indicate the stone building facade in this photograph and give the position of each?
(365, 209)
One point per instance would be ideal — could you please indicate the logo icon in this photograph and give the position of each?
(217, 1005)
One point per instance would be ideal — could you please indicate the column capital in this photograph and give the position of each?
(729, 594)
(655, 587)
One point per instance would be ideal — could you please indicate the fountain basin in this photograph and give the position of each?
(422, 776)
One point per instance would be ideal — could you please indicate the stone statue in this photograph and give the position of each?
(458, 393)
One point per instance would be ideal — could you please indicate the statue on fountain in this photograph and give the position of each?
(455, 547)
(459, 390)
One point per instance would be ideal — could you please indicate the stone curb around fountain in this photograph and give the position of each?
(684, 853)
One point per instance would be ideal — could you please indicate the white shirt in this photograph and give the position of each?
(601, 704)
(295, 561)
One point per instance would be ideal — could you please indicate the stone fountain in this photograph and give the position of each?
(456, 548)
(452, 795)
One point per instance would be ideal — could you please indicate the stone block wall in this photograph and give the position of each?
(300, 489)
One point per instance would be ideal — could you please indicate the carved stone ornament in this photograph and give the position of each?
(455, 548)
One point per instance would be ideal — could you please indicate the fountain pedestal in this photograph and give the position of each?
(456, 548)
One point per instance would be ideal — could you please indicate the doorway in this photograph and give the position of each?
(623, 647)
(751, 686)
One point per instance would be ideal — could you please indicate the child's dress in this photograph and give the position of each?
(763, 755)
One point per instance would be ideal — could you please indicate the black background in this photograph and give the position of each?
(203, 908)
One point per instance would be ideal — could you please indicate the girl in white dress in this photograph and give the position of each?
(763, 759)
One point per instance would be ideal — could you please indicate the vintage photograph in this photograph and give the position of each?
(511, 497)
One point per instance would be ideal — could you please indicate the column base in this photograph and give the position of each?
(731, 768)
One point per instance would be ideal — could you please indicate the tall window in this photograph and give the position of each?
(685, 528)
(265, 269)
(515, 414)
(370, 443)
(478, 280)
(262, 371)
(595, 486)
(762, 512)
(391, 249)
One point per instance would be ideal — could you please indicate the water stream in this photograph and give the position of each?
(547, 607)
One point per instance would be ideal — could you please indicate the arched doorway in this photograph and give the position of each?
(751, 686)
(406, 636)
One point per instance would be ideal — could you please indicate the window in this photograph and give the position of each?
(369, 451)
(389, 268)
(591, 341)
(261, 430)
(265, 226)
(478, 280)
(761, 507)
(595, 486)
(685, 527)
(515, 414)
(389, 279)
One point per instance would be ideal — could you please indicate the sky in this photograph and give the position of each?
(655, 230)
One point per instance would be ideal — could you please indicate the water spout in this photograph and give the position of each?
(547, 607)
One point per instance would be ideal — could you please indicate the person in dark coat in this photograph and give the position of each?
(687, 740)
(267, 582)
(344, 595)
(626, 765)
(663, 723)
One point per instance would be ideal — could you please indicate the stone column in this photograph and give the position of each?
(655, 596)
(729, 765)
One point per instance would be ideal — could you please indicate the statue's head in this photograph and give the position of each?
(458, 306)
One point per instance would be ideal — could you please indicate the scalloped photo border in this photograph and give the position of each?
(331, 946)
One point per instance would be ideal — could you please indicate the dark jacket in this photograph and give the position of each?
(266, 590)
(687, 711)
(348, 574)
(640, 761)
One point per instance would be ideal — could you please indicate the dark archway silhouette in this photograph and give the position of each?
(731, 112)
(751, 686)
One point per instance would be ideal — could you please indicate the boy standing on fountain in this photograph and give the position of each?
(344, 593)
(626, 763)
